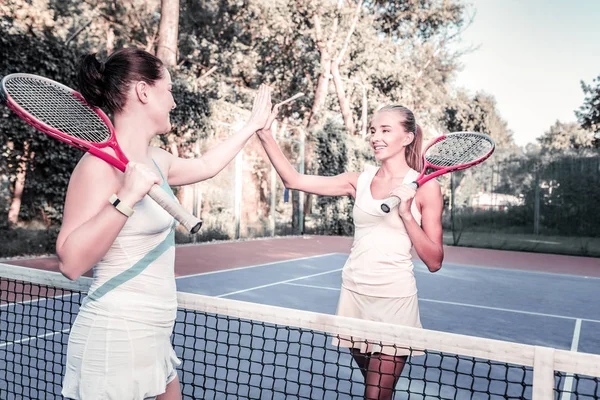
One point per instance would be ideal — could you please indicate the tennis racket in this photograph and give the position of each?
(63, 113)
(448, 153)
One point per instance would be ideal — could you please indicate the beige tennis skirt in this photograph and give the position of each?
(392, 310)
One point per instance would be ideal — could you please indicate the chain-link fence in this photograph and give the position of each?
(548, 202)
(247, 199)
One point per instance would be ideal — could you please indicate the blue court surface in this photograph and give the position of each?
(232, 358)
(553, 310)
(532, 308)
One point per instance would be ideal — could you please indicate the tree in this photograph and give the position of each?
(302, 45)
(567, 135)
(477, 114)
(228, 47)
(166, 49)
(38, 167)
(589, 113)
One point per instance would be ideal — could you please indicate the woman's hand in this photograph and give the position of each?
(261, 109)
(266, 129)
(137, 182)
(406, 193)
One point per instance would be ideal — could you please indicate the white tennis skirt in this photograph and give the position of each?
(114, 358)
(392, 310)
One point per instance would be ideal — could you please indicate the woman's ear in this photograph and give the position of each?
(141, 91)
(409, 139)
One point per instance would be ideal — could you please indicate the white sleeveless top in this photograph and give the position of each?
(380, 262)
(137, 273)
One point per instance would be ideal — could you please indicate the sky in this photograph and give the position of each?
(531, 56)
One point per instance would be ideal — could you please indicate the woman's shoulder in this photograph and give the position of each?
(91, 166)
(161, 157)
(370, 169)
(429, 192)
(93, 177)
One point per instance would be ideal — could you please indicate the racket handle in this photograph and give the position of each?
(164, 199)
(391, 202)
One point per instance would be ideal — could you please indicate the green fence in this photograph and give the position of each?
(546, 202)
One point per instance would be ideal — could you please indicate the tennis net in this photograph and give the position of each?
(233, 349)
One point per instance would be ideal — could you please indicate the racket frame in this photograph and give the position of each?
(191, 223)
(391, 202)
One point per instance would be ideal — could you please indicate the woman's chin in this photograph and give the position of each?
(166, 129)
(380, 156)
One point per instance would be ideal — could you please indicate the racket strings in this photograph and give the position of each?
(458, 149)
(57, 108)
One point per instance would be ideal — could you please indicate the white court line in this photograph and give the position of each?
(255, 266)
(18, 303)
(279, 283)
(421, 268)
(204, 273)
(539, 241)
(5, 344)
(468, 305)
(314, 286)
(568, 386)
(508, 310)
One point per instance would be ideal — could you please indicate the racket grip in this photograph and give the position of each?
(391, 202)
(164, 199)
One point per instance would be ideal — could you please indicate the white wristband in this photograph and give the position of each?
(123, 208)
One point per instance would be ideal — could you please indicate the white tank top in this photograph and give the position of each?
(380, 262)
(136, 279)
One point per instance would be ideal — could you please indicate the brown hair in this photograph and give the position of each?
(105, 84)
(413, 150)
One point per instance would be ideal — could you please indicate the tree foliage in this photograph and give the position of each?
(477, 114)
(569, 135)
(49, 168)
(347, 57)
(589, 113)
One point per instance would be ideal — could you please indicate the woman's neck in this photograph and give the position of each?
(133, 134)
(396, 167)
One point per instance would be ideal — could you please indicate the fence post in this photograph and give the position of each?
(197, 194)
(239, 164)
(273, 186)
(536, 204)
(301, 194)
(454, 241)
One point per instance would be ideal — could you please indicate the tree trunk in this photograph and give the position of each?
(166, 50)
(325, 46)
(342, 99)
(110, 38)
(337, 79)
(168, 32)
(15, 204)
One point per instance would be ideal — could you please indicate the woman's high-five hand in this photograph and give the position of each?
(261, 109)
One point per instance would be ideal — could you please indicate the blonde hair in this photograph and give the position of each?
(413, 150)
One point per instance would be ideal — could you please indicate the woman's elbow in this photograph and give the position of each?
(434, 267)
(66, 268)
(68, 272)
(436, 264)
(292, 183)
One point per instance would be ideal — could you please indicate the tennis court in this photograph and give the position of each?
(259, 324)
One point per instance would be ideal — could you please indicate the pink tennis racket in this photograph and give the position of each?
(62, 113)
(449, 153)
